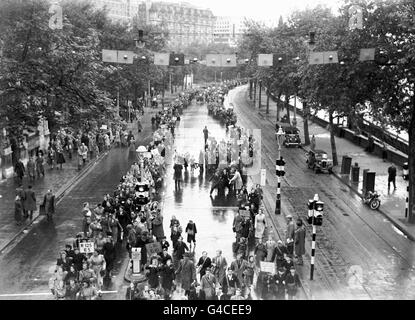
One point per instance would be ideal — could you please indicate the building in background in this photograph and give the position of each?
(185, 23)
(119, 10)
(228, 30)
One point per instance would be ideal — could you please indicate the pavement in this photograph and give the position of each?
(57, 180)
(392, 201)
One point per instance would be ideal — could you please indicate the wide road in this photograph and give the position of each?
(353, 238)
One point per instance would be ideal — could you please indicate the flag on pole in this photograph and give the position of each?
(125, 57)
(109, 55)
(316, 58)
(265, 60)
(367, 54)
(228, 60)
(213, 60)
(330, 57)
(161, 59)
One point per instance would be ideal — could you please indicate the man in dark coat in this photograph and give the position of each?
(229, 281)
(49, 204)
(208, 284)
(392, 176)
(299, 241)
(186, 273)
(219, 264)
(203, 264)
(179, 249)
(167, 276)
(157, 226)
(178, 168)
(29, 202)
(19, 169)
(279, 281)
(164, 256)
(109, 255)
(279, 254)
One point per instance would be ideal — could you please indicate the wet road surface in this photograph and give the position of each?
(359, 255)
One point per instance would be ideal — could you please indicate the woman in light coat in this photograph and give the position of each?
(260, 224)
(237, 180)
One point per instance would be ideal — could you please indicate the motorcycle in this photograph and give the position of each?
(372, 199)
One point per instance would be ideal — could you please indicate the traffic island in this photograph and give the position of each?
(130, 276)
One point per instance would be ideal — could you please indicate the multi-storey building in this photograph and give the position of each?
(228, 30)
(185, 23)
(119, 10)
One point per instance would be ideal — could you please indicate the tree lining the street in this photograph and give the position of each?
(59, 74)
(384, 88)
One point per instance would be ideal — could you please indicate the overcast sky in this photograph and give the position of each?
(258, 9)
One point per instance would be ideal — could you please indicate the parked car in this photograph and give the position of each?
(291, 134)
(319, 161)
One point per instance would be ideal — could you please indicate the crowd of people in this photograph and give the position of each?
(215, 98)
(64, 144)
(132, 217)
(129, 216)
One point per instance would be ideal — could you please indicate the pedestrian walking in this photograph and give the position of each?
(238, 266)
(270, 245)
(392, 176)
(236, 181)
(60, 158)
(40, 161)
(260, 252)
(168, 275)
(204, 263)
(292, 282)
(178, 168)
(18, 210)
(29, 202)
(279, 281)
(230, 282)
(19, 169)
(179, 250)
(280, 252)
(289, 234)
(206, 134)
(313, 143)
(157, 226)
(31, 169)
(191, 234)
(51, 157)
(186, 273)
(299, 241)
(48, 204)
(260, 225)
(219, 266)
(82, 155)
(208, 284)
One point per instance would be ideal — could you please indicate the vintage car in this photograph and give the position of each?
(319, 161)
(291, 134)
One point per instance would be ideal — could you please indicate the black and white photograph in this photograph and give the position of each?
(207, 150)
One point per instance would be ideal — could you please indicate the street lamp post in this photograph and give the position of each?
(279, 171)
(297, 59)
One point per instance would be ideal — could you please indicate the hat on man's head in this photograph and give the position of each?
(289, 216)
